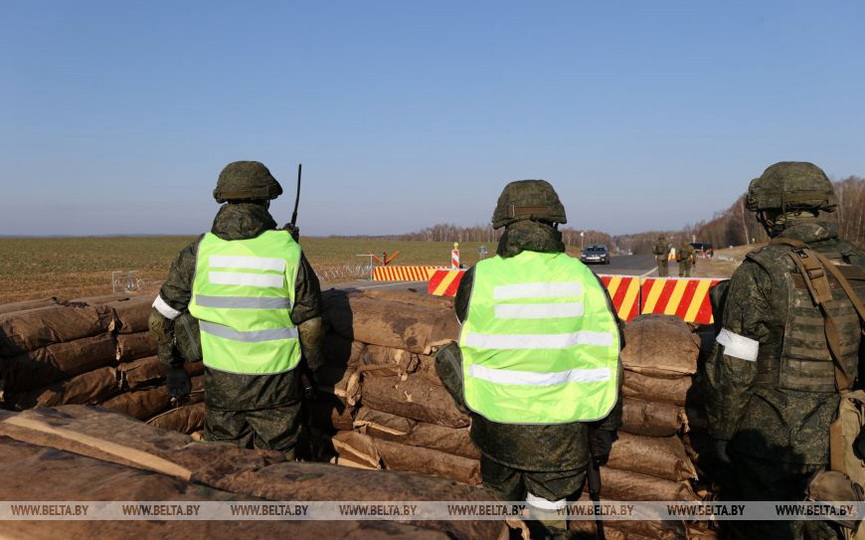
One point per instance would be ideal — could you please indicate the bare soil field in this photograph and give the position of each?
(76, 267)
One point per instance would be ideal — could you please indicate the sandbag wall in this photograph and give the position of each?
(94, 351)
(386, 403)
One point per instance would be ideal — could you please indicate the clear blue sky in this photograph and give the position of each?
(116, 117)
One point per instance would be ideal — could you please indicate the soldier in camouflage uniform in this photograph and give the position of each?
(543, 464)
(686, 257)
(661, 250)
(260, 409)
(772, 382)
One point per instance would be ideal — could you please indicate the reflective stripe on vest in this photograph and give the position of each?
(540, 344)
(242, 295)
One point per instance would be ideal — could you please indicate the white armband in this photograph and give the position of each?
(738, 346)
(167, 311)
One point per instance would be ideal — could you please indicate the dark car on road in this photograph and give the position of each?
(596, 253)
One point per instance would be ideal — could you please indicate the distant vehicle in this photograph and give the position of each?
(596, 253)
(703, 249)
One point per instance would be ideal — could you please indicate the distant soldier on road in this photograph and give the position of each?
(661, 249)
(788, 347)
(539, 358)
(258, 304)
(686, 257)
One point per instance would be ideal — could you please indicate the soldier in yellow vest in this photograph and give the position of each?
(540, 357)
(257, 302)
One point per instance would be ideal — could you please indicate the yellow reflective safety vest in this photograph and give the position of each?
(242, 295)
(540, 344)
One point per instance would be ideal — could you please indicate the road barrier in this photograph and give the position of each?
(445, 282)
(403, 273)
(686, 298)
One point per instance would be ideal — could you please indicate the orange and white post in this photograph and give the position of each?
(455, 255)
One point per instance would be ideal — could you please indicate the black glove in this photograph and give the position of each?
(601, 443)
(178, 382)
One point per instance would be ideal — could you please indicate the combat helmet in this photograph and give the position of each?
(528, 199)
(246, 180)
(789, 186)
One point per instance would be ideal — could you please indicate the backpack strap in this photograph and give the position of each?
(813, 266)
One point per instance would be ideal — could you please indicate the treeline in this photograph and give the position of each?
(731, 227)
(736, 225)
(447, 232)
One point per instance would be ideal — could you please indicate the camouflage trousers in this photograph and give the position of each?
(684, 269)
(663, 267)
(755, 479)
(278, 428)
(515, 485)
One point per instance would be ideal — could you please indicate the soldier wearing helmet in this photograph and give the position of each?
(775, 378)
(539, 357)
(257, 302)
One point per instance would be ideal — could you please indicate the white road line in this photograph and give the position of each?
(649, 272)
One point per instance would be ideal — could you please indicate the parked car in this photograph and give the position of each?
(596, 253)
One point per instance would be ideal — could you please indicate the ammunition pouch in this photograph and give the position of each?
(187, 337)
(834, 486)
(449, 367)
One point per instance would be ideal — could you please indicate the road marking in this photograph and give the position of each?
(649, 272)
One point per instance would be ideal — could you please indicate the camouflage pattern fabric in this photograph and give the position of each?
(686, 257)
(246, 180)
(236, 392)
(276, 428)
(539, 448)
(661, 251)
(776, 435)
(528, 200)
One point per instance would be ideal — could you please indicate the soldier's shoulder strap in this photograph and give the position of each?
(813, 266)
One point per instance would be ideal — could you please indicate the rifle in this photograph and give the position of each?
(593, 476)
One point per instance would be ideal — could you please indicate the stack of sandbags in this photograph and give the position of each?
(96, 351)
(650, 460)
(78, 453)
(402, 417)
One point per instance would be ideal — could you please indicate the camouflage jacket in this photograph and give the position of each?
(759, 418)
(557, 447)
(229, 391)
(661, 250)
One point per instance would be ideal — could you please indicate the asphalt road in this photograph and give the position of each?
(630, 265)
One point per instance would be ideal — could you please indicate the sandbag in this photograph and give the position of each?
(660, 346)
(357, 447)
(147, 402)
(400, 457)
(664, 457)
(632, 486)
(382, 425)
(149, 371)
(652, 419)
(26, 305)
(55, 362)
(36, 473)
(131, 314)
(30, 330)
(87, 388)
(378, 361)
(185, 419)
(409, 295)
(413, 398)
(648, 388)
(631, 529)
(133, 346)
(390, 324)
